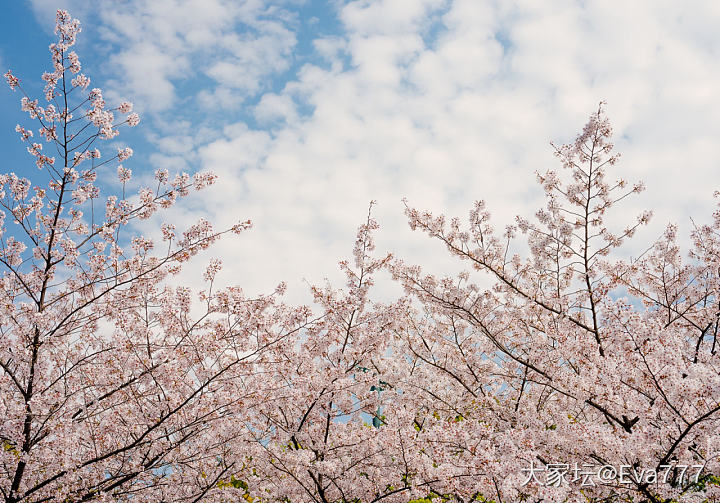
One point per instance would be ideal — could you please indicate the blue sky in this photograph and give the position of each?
(310, 109)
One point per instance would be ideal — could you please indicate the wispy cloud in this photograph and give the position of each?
(218, 50)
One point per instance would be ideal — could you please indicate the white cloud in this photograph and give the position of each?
(373, 17)
(466, 118)
(273, 107)
(161, 43)
(443, 102)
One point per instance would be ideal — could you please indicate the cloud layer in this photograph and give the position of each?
(442, 102)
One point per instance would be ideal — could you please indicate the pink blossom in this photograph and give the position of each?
(95, 94)
(124, 174)
(107, 132)
(29, 106)
(75, 66)
(124, 154)
(162, 175)
(125, 107)
(49, 133)
(80, 81)
(12, 81)
(24, 133)
(168, 231)
(212, 269)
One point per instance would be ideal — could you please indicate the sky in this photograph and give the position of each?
(307, 110)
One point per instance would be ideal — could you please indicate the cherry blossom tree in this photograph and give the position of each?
(110, 389)
(322, 432)
(569, 363)
(574, 359)
(575, 376)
